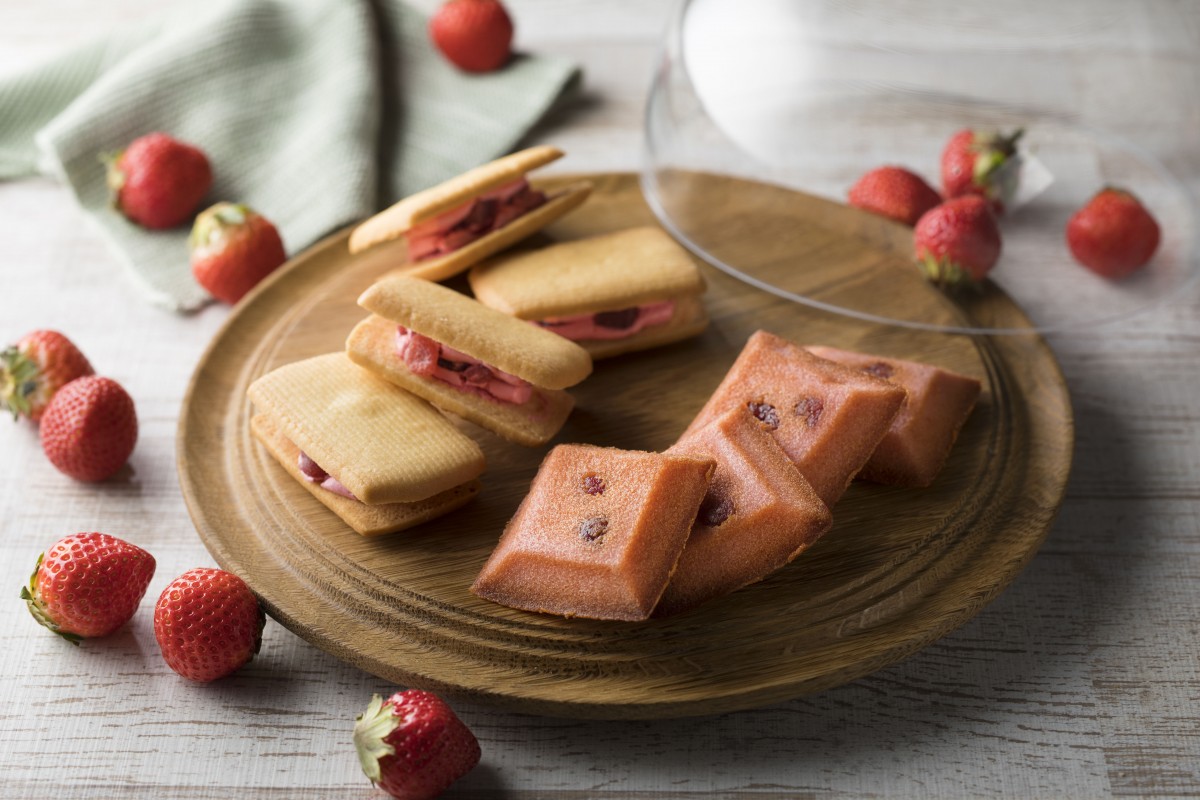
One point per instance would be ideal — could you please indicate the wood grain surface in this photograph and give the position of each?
(900, 568)
(1079, 681)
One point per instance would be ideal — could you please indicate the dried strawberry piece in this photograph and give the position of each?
(593, 528)
(618, 320)
(880, 369)
(477, 375)
(520, 203)
(810, 409)
(593, 484)
(714, 510)
(479, 221)
(765, 412)
(419, 352)
(310, 468)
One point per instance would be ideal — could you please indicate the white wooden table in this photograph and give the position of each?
(1083, 679)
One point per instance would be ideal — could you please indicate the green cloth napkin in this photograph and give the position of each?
(314, 112)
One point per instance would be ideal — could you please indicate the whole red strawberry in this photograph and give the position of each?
(895, 193)
(208, 624)
(413, 746)
(982, 163)
(1113, 234)
(89, 428)
(475, 35)
(957, 241)
(35, 368)
(233, 248)
(158, 181)
(88, 584)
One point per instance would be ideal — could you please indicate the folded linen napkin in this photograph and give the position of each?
(314, 112)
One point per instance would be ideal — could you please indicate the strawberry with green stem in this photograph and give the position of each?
(413, 746)
(232, 249)
(982, 163)
(957, 242)
(158, 181)
(35, 368)
(88, 585)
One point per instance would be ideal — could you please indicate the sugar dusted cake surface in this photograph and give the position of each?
(828, 418)
(759, 513)
(921, 436)
(599, 533)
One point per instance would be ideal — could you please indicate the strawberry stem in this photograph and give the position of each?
(18, 380)
(370, 730)
(29, 595)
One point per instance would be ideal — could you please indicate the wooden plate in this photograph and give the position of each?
(899, 569)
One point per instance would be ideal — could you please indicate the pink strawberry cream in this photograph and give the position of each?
(314, 474)
(610, 324)
(432, 359)
(474, 219)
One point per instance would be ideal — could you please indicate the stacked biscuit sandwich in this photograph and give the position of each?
(361, 429)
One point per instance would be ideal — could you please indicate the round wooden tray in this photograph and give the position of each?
(899, 569)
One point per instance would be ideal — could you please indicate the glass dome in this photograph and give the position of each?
(807, 95)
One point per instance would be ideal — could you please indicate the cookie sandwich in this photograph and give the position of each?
(470, 360)
(378, 457)
(614, 293)
(455, 224)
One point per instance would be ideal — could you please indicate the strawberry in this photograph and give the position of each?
(413, 746)
(208, 624)
(983, 164)
(158, 181)
(233, 248)
(895, 193)
(1113, 234)
(87, 585)
(89, 428)
(474, 35)
(35, 368)
(957, 241)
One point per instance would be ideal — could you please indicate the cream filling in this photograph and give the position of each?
(592, 326)
(432, 359)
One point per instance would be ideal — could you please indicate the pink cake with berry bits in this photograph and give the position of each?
(758, 515)
(828, 418)
(921, 436)
(599, 533)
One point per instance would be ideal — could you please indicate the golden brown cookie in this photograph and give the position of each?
(380, 442)
(607, 273)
